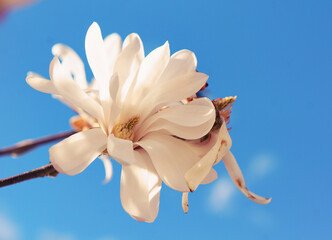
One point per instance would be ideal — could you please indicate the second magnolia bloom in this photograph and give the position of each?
(137, 116)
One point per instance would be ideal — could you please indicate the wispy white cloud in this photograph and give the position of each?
(52, 235)
(260, 218)
(221, 195)
(8, 229)
(261, 165)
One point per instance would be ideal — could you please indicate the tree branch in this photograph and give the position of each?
(27, 145)
(45, 171)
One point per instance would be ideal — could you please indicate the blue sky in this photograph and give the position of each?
(274, 55)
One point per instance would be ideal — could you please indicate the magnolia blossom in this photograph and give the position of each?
(141, 120)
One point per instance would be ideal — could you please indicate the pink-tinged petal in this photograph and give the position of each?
(73, 62)
(171, 157)
(72, 93)
(108, 168)
(221, 144)
(140, 188)
(185, 202)
(120, 150)
(112, 45)
(189, 121)
(40, 84)
(235, 173)
(72, 155)
(212, 176)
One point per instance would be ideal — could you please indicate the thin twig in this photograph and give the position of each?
(27, 145)
(45, 171)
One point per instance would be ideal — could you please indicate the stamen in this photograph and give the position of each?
(223, 110)
(125, 130)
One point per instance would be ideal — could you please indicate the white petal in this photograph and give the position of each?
(151, 69)
(59, 71)
(181, 62)
(120, 150)
(236, 175)
(189, 121)
(184, 132)
(96, 55)
(114, 105)
(114, 86)
(128, 64)
(99, 63)
(69, 89)
(72, 155)
(175, 89)
(171, 157)
(221, 144)
(134, 37)
(70, 58)
(140, 188)
(179, 80)
(108, 168)
(112, 45)
(40, 84)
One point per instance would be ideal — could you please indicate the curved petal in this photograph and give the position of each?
(188, 133)
(69, 89)
(171, 157)
(221, 144)
(140, 188)
(120, 150)
(185, 202)
(72, 155)
(108, 168)
(235, 173)
(40, 84)
(181, 62)
(134, 37)
(74, 63)
(189, 121)
(175, 89)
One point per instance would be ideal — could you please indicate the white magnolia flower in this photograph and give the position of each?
(142, 122)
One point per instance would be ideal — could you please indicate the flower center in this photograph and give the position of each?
(125, 130)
